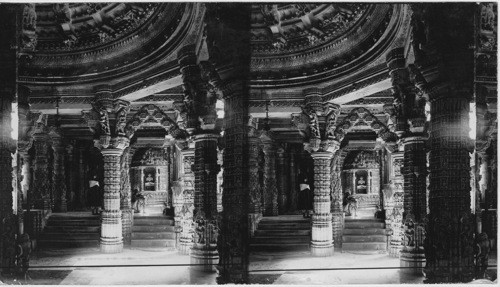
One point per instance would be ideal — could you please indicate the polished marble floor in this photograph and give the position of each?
(158, 267)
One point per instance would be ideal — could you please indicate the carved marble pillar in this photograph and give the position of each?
(112, 142)
(410, 115)
(205, 168)
(9, 13)
(270, 188)
(449, 249)
(126, 196)
(282, 181)
(255, 210)
(414, 171)
(337, 197)
(8, 223)
(292, 192)
(394, 213)
(59, 175)
(111, 226)
(444, 34)
(41, 196)
(83, 183)
(70, 176)
(185, 213)
(322, 238)
(233, 238)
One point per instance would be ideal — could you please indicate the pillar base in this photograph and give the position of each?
(322, 250)
(185, 247)
(110, 247)
(204, 260)
(412, 262)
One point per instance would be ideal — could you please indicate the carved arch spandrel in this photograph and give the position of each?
(362, 116)
(152, 113)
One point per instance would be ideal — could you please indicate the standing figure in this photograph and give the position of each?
(305, 203)
(94, 195)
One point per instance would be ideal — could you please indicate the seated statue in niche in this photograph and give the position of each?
(361, 184)
(149, 182)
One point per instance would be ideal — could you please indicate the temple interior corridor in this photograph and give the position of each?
(248, 143)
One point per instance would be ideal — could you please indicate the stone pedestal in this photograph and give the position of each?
(111, 225)
(322, 240)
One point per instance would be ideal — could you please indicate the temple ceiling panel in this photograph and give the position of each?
(131, 47)
(321, 44)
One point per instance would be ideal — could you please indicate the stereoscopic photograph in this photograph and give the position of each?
(254, 143)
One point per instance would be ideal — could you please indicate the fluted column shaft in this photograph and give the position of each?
(270, 188)
(322, 240)
(111, 226)
(205, 168)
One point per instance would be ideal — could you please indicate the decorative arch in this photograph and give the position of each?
(151, 113)
(362, 117)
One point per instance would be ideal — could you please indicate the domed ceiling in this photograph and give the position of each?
(292, 41)
(73, 27)
(85, 41)
(289, 28)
